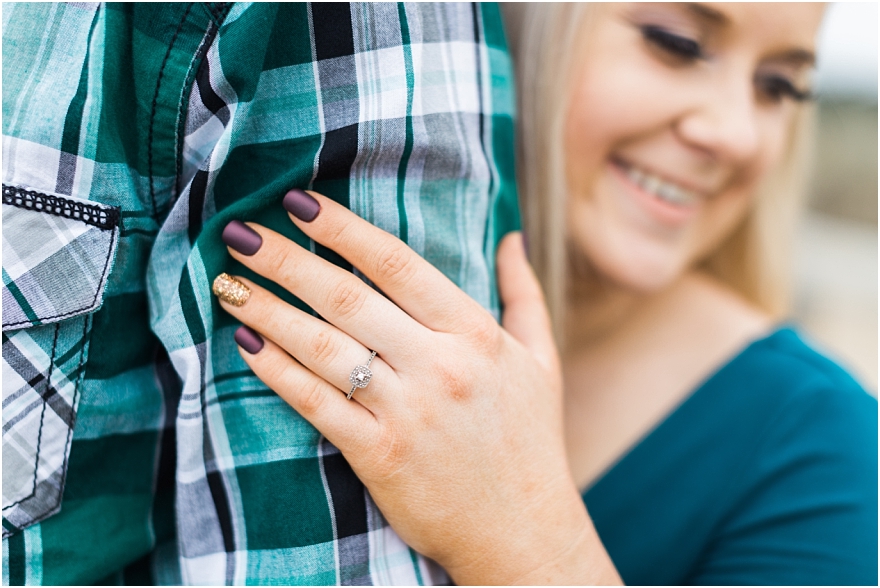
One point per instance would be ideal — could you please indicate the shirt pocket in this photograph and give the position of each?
(57, 255)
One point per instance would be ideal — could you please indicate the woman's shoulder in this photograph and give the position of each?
(768, 363)
(793, 399)
(806, 480)
(787, 369)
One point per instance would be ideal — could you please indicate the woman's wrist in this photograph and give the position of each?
(555, 543)
(581, 561)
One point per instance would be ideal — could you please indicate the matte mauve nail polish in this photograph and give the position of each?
(301, 205)
(242, 238)
(249, 340)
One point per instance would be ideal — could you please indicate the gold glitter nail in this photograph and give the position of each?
(230, 290)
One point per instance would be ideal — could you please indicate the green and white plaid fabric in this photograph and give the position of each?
(137, 446)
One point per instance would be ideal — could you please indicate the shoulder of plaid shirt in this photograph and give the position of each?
(137, 446)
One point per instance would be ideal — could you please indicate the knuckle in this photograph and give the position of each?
(270, 370)
(311, 398)
(457, 382)
(392, 264)
(485, 336)
(343, 234)
(347, 298)
(279, 262)
(323, 347)
(275, 318)
(393, 449)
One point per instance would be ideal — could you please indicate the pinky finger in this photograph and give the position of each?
(346, 424)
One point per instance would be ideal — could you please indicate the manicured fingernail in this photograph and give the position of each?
(301, 205)
(249, 340)
(230, 290)
(242, 238)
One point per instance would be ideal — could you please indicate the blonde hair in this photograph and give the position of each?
(544, 41)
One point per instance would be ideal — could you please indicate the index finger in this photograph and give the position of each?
(412, 283)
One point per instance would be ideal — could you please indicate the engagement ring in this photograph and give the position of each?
(360, 376)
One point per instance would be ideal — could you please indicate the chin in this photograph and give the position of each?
(642, 270)
(642, 280)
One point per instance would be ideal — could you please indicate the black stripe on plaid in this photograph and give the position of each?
(347, 495)
(331, 23)
(333, 42)
(208, 96)
(197, 190)
(333, 46)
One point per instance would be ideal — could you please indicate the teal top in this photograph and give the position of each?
(766, 474)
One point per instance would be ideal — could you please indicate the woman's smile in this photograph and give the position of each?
(667, 201)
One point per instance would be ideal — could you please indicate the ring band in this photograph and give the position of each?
(360, 376)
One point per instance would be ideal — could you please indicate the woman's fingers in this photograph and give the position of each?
(411, 282)
(319, 346)
(525, 312)
(348, 425)
(337, 295)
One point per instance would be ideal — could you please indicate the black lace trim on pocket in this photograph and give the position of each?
(92, 214)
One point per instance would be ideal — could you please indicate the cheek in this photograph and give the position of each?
(620, 248)
(607, 108)
(725, 213)
(720, 220)
(776, 139)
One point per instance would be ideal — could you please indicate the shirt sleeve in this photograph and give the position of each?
(808, 514)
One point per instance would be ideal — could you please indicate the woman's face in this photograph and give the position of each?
(679, 113)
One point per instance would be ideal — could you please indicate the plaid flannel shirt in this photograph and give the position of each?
(137, 445)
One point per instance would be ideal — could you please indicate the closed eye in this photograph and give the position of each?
(675, 45)
(778, 87)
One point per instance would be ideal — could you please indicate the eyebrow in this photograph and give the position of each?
(795, 57)
(703, 11)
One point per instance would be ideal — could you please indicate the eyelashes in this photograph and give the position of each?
(670, 42)
(778, 87)
(685, 50)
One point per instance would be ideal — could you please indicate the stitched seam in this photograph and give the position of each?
(91, 214)
(94, 304)
(76, 386)
(153, 110)
(40, 431)
(200, 55)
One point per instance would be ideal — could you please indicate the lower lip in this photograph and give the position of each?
(667, 213)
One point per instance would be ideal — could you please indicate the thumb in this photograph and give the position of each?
(525, 312)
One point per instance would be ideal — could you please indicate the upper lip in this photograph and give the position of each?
(699, 190)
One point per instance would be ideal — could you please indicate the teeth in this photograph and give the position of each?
(661, 188)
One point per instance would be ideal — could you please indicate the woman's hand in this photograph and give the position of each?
(458, 435)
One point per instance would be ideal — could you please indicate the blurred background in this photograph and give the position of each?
(835, 296)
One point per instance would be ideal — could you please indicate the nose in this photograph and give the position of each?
(723, 121)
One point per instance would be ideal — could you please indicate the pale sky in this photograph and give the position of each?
(847, 50)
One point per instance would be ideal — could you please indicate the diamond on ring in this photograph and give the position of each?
(360, 376)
